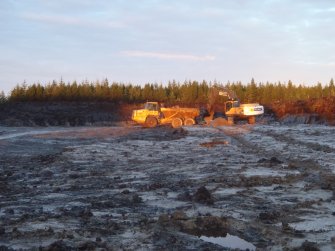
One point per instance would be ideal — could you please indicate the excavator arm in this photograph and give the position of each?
(216, 92)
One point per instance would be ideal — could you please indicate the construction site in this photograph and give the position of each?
(263, 186)
(167, 125)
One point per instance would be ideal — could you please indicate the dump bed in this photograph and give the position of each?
(173, 112)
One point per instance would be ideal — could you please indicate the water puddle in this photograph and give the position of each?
(230, 241)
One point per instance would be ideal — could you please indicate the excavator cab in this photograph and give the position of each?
(231, 104)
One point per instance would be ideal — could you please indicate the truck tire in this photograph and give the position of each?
(252, 120)
(189, 122)
(176, 122)
(151, 122)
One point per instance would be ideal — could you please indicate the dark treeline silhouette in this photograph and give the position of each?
(188, 92)
(3, 98)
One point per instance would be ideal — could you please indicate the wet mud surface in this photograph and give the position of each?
(264, 187)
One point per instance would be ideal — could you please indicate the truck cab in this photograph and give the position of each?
(152, 106)
(150, 110)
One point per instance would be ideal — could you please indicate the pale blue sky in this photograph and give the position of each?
(141, 41)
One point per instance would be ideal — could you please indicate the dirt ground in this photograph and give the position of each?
(243, 187)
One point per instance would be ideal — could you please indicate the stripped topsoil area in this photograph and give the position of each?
(106, 113)
(264, 187)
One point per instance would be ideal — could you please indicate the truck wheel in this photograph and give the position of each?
(252, 120)
(189, 122)
(177, 122)
(151, 122)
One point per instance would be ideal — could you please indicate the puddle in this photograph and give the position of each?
(230, 241)
(268, 172)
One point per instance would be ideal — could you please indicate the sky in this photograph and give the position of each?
(156, 41)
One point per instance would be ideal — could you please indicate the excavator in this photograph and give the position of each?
(227, 111)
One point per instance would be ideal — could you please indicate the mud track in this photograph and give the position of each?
(268, 187)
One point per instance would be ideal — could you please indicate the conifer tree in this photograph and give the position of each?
(3, 98)
(331, 87)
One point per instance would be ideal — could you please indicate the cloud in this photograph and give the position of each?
(324, 10)
(315, 63)
(74, 21)
(167, 56)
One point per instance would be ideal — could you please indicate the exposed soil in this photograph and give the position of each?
(64, 113)
(269, 187)
(313, 111)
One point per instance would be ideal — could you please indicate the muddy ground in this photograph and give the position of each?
(264, 187)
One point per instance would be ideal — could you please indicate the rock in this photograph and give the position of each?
(262, 160)
(88, 245)
(126, 191)
(286, 227)
(86, 213)
(274, 160)
(189, 226)
(78, 211)
(47, 174)
(179, 215)
(271, 162)
(9, 211)
(211, 226)
(59, 245)
(269, 217)
(185, 196)
(136, 199)
(203, 196)
(180, 132)
(163, 219)
(309, 246)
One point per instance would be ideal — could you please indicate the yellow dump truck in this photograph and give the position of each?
(153, 114)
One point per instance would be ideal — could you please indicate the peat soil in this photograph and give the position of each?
(65, 113)
(243, 187)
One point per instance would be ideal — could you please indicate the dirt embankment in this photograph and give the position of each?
(64, 113)
(313, 111)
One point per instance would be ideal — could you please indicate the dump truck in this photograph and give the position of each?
(154, 114)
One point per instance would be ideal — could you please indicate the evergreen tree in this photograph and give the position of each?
(251, 92)
(331, 88)
(3, 98)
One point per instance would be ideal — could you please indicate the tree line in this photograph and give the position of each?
(188, 92)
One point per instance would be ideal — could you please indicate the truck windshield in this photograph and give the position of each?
(150, 106)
